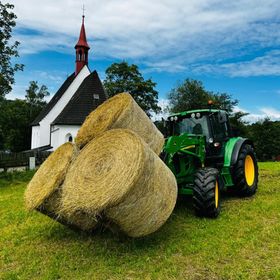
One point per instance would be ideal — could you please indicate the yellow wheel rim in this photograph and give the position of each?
(217, 195)
(249, 170)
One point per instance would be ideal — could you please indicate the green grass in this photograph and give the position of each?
(243, 243)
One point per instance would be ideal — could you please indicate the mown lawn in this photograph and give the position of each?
(243, 243)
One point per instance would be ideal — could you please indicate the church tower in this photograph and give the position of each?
(82, 48)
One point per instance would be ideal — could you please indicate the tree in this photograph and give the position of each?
(8, 50)
(191, 95)
(15, 125)
(122, 77)
(265, 135)
(17, 115)
(35, 95)
(237, 123)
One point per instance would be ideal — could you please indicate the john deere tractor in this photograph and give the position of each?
(206, 158)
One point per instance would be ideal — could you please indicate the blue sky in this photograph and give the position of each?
(231, 46)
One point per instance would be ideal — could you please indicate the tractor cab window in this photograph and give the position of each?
(220, 130)
(198, 126)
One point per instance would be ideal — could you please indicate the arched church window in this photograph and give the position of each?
(68, 137)
(80, 55)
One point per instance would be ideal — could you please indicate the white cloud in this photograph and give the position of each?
(271, 113)
(260, 114)
(163, 104)
(165, 35)
(269, 64)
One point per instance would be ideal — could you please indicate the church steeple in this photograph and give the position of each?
(82, 48)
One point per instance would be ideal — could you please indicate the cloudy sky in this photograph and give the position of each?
(232, 46)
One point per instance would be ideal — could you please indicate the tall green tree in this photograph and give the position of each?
(122, 77)
(8, 49)
(17, 115)
(35, 95)
(35, 98)
(191, 94)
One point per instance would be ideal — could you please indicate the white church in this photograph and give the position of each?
(81, 93)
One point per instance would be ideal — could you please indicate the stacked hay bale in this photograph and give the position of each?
(113, 174)
(120, 111)
(117, 174)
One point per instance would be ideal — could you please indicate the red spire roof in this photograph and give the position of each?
(82, 42)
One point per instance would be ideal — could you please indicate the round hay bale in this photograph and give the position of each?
(119, 175)
(120, 111)
(150, 202)
(43, 193)
(49, 176)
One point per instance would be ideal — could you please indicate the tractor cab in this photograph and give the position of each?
(212, 124)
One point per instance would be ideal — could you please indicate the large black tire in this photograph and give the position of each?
(245, 172)
(206, 192)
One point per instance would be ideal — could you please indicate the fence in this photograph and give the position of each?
(12, 160)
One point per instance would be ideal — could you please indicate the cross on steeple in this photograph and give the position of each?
(83, 11)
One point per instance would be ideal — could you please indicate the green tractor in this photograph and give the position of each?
(207, 158)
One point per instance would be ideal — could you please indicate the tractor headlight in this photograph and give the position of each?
(211, 140)
(198, 115)
(175, 118)
(193, 115)
(172, 119)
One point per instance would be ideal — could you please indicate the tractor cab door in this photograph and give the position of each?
(220, 134)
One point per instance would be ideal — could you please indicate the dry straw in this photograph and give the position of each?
(119, 175)
(120, 111)
(43, 193)
(49, 176)
(52, 208)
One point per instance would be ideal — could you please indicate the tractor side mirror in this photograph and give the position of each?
(222, 116)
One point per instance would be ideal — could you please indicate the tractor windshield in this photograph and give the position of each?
(198, 126)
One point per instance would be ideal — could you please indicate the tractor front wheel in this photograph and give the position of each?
(245, 172)
(206, 192)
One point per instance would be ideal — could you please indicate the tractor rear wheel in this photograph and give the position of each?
(206, 192)
(245, 172)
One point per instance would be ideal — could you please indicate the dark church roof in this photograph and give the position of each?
(54, 100)
(89, 95)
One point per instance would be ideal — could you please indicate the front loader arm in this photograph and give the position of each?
(185, 144)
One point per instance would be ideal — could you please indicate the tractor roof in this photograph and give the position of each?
(197, 111)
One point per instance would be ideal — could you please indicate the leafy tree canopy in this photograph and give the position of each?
(8, 49)
(35, 95)
(191, 95)
(122, 77)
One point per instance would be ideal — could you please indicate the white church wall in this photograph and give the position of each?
(44, 135)
(35, 142)
(61, 134)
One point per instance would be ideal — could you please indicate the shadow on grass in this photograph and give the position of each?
(108, 240)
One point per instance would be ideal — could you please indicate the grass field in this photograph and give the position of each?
(243, 243)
